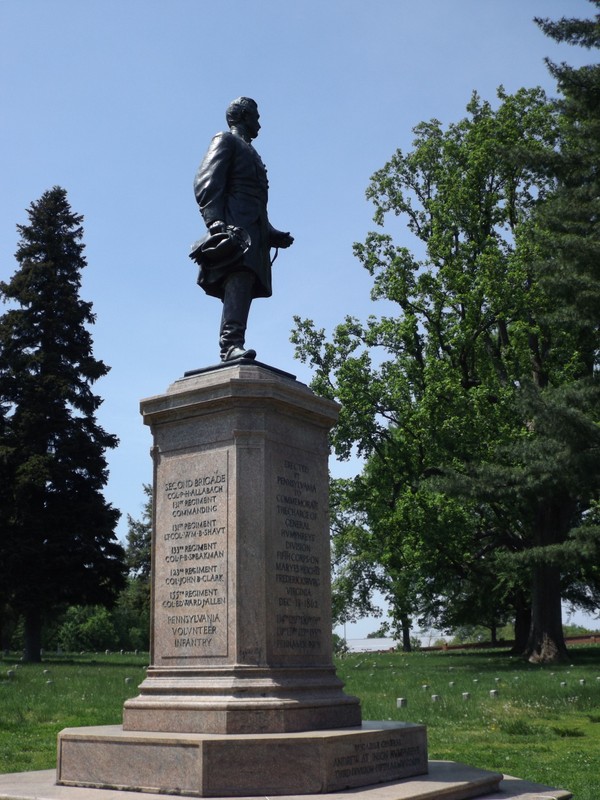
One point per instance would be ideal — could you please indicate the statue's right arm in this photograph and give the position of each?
(210, 185)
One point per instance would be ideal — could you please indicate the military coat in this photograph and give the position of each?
(231, 186)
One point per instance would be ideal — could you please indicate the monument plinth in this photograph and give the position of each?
(241, 591)
(241, 697)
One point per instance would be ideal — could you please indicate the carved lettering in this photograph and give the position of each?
(191, 561)
(297, 559)
(378, 758)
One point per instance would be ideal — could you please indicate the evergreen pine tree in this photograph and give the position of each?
(563, 402)
(58, 539)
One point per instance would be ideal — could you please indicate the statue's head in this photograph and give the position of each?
(243, 113)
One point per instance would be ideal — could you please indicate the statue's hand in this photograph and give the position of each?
(217, 226)
(281, 239)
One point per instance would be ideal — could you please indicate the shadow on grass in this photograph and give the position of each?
(483, 662)
(82, 660)
(494, 659)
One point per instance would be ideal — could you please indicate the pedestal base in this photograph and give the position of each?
(445, 780)
(211, 765)
(241, 699)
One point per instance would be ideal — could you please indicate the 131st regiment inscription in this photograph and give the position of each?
(191, 560)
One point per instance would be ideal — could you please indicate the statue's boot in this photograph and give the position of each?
(237, 298)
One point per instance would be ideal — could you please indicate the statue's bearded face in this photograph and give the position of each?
(251, 121)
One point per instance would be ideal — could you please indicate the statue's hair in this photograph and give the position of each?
(236, 109)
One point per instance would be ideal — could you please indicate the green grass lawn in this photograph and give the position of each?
(535, 728)
(39, 700)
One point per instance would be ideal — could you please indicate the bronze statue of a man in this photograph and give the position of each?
(231, 189)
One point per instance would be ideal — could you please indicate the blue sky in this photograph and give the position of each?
(117, 100)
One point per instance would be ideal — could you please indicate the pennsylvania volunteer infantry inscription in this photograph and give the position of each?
(191, 561)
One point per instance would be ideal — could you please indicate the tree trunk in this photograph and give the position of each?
(406, 645)
(494, 634)
(33, 636)
(522, 627)
(7, 627)
(546, 642)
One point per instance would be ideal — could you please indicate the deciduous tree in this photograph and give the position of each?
(139, 539)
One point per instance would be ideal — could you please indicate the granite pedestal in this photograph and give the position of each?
(242, 697)
(241, 632)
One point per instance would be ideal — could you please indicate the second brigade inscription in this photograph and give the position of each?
(190, 559)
